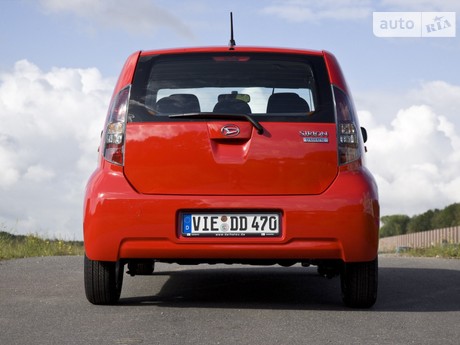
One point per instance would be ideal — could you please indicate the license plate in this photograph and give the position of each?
(231, 224)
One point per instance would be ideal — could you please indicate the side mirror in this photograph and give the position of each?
(364, 133)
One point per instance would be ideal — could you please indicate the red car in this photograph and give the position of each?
(231, 155)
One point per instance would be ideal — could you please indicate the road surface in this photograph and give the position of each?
(42, 302)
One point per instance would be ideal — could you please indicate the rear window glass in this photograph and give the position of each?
(276, 87)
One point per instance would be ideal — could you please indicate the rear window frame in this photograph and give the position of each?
(323, 108)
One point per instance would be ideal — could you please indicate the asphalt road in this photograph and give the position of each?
(42, 302)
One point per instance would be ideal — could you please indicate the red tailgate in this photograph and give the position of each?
(196, 158)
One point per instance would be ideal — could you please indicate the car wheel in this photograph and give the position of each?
(359, 284)
(103, 281)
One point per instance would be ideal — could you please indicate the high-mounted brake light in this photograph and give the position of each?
(348, 142)
(115, 130)
(231, 58)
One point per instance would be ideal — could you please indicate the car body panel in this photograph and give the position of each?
(195, 158)
(341, 223)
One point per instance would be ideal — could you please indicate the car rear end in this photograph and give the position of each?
(251, 155)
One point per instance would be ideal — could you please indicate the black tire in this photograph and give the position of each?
(359, 284)
(103, 281)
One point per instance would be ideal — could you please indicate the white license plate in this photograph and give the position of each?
(231, 224)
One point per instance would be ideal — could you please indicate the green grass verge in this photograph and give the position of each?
(442, 251)
(19, 246)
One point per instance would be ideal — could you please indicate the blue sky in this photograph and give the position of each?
(60, 35)
(60, 60)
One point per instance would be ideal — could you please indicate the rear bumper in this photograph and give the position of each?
(341, 223)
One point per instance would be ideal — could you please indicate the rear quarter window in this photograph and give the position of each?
(271, 87)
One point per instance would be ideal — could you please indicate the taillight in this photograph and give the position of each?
(114, 134)
(349, 146)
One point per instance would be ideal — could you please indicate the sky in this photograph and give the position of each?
(60, 60)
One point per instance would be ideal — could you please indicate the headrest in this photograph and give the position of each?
(287, 102)
(236, 106)
(179, 103)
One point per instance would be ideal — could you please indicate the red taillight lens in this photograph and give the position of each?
(115, 129)
(348, 142)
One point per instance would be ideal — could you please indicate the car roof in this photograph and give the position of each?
(225, 49)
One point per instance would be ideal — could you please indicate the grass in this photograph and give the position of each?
(19, 246)
(445, 250)
(451, 251)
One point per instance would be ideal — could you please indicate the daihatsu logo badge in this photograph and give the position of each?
(230, 130)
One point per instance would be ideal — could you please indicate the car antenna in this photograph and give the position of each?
(232, 42)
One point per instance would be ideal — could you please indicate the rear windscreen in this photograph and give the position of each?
(271, 87)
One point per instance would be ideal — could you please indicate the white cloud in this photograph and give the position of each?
(312, 10)
(439, 94)
(49, 136)
(138, 17)
(416, 156)
(37, 173)
(8, 172)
